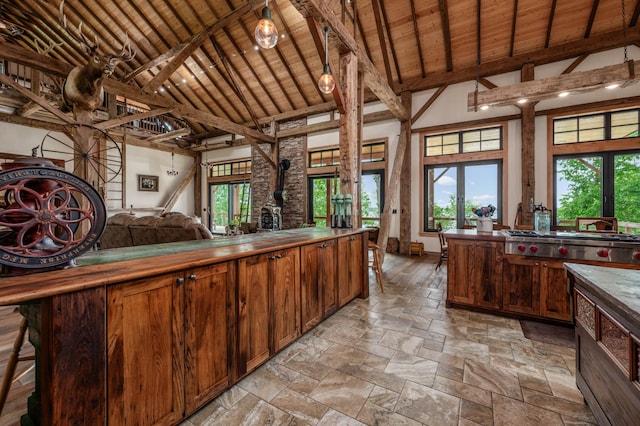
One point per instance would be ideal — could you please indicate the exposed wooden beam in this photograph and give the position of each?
(558, 53)
(514, 19)
(375, 5)
(416, 33)
(235, 84)
(31, 122)
(109, 124)
(44, 63)
(35, 98)
(428, 104)
(374, 81)
(373, 117)
(580, 59)
(552, 14)
(545, 88)
(173, 199)
(592, 17)
(195, 42)
(163, 137)
(392, 46)
(446, 32)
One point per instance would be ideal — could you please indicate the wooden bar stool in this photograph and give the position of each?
(12, 362)
(374, 263)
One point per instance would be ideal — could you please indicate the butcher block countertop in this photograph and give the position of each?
(113, 266)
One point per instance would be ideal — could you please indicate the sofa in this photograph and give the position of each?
(126, 230)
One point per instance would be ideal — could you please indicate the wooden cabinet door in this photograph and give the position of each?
(521, 290)
(285, 297)
(459, 264)
(318, 285)
(474, 273)
(554, 294)
(209, 332)
(327, 277)
(486, 273)
(253, 312)
(145, 368)
(350, 270)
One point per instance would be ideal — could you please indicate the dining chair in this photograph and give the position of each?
(443, 245)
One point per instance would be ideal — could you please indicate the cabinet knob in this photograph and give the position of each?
(192, 277)
(323, 246)
(180, 280)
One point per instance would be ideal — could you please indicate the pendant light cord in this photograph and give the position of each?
(624, 30)
(326, 45)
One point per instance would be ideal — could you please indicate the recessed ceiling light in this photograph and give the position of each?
(484, 107)
(612, 86)
(184, 80)
(563, 94)
(523, 101)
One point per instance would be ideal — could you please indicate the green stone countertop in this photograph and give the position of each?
(108, 267)
(618, 289)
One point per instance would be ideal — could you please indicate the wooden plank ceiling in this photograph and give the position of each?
(415, 45)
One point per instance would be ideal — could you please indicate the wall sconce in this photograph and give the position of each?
(266, 32)
(326, 83)
(172, 172)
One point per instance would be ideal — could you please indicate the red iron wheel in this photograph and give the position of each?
(48, 217)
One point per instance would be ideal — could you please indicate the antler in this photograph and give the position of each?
(126, 54)
(43, 51)
(83, 40)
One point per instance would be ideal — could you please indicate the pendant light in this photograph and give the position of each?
(173, 171)
(266, 32)
(326, 83)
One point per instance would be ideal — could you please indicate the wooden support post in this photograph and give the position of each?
(528, 150)
(350, 147)
(392, 189)
(405, 181)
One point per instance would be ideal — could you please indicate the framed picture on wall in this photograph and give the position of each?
(147, 183)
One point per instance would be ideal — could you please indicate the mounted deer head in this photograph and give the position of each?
(82, 90)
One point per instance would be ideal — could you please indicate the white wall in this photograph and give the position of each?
(21, 139)
(450, 107)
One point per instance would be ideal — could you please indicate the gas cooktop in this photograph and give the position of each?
(574, 235)
(602, 247)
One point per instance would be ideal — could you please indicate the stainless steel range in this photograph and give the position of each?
(615, 248)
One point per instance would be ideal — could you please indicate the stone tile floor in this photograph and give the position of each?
(401, 358)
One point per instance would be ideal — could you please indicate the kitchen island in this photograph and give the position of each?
(521, 273)
(607, 322)
(149, 334)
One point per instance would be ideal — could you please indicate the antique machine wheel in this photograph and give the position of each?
(48, 216)
(103, 155)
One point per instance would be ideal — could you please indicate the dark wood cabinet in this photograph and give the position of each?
(474, 273)
(521, 289)
(351, 251)
(128, 338)
(169, 337)
(210, 332)
(318, 296)
(606, 314)
(145, 334)
(555, 300)
(536, 287)
(268, 306)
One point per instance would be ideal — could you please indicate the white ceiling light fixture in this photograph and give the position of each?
(266, 32)
(611, 77)
(326, 82)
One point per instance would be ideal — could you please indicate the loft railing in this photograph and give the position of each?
(50, 85)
